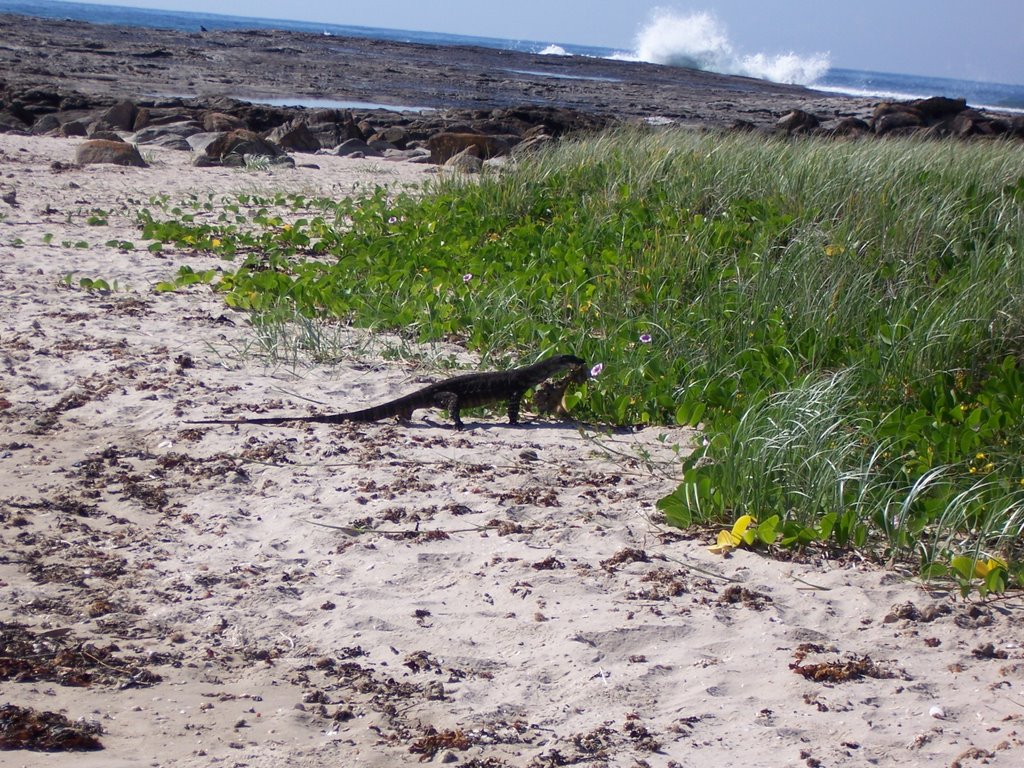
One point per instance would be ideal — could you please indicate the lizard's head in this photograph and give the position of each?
(568, 361)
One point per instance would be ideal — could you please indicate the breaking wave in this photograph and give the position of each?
(700, 41)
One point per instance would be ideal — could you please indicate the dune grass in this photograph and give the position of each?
(845, 319)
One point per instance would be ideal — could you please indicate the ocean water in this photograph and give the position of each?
(670, 38)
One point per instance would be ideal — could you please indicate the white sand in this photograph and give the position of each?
(282, 642)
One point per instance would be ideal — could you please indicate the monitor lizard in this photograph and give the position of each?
(454, 394)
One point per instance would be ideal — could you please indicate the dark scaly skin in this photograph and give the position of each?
(467, 391)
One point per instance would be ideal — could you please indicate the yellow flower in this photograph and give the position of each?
(980, 456)
(215, 243)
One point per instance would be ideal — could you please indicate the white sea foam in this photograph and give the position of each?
(554, 50)
(700, 41)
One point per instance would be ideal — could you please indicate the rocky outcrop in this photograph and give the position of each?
(935, 117)
(204, 125)
(107, 151)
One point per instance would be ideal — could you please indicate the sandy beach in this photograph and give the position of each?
(389, 594)
(177, 595)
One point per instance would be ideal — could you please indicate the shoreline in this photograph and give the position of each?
(74, 78)
(110, 62)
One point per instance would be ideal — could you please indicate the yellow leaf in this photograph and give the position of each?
(983, 569)
(727, 541)
(741, 525)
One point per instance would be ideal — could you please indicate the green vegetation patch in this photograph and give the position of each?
(845, 319)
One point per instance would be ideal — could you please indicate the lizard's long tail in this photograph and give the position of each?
(333, 418)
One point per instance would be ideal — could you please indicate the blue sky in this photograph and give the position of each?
(977, 41)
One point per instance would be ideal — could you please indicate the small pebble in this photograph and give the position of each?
(937, 712)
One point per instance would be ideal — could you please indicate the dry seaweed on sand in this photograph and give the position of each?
(39, 731)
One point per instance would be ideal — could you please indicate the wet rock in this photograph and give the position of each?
(105, 151)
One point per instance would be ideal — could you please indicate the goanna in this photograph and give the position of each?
(467, 391)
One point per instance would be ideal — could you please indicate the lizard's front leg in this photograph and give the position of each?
(450, 402)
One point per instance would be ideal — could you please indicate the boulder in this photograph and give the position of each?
(198, 142)
(381, 146)
(174, 134)
(103, 134)
(798, 121)
(851, 126)
(46, 124)
(294, 135)
(219, 121)
(73, 101)
(532, 144)
(168, 117)
(938, 108)
(888, 120)
(12, 124)
(74, 128)
(395, 135)
(969, 122)
(120, 117)
(104, 151)
(355, 147)
(467, 161)
(240, 146)
(444, 146)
